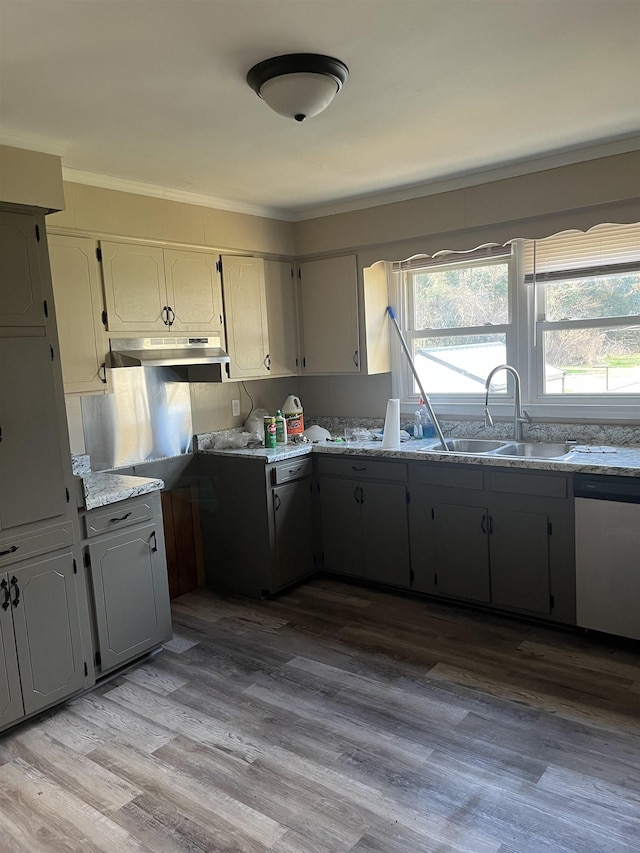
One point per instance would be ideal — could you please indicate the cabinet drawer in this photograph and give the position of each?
(363, 468)
(523, 483)
(116, 516)
(40, 541)
(448, 474)
(293, 470)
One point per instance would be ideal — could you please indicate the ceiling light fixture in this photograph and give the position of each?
(298, 85)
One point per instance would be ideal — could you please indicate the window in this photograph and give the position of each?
(458, 322)
(565, 311)
(587, 304)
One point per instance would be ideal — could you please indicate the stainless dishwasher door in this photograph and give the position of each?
(608, 566)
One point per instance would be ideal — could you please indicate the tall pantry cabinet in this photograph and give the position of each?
(44, 623)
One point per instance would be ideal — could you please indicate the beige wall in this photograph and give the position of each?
(30, 178)
(110, 213)
(578, 196)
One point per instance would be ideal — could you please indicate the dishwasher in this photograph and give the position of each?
(608, 554)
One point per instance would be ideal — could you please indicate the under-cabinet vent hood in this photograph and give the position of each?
(165, 352)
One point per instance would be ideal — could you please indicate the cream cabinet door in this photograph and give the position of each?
(329, 303)
(79, 305)
(21, 300)
(134, 287)
(246, 316)
(282, 316)
(194, 291)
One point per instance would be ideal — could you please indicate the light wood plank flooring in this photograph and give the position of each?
(339, 719)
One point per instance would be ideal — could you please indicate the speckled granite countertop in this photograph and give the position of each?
(619, 460)
(103, 488)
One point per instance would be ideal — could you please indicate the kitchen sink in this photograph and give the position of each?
(533, 450)
(469, 445)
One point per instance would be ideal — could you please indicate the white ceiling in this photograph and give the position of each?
(153, 92)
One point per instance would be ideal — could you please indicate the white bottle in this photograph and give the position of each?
(417, 424)
(293, 415)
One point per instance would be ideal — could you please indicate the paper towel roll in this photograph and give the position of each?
(391, 437)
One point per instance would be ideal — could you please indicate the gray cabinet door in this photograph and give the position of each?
(47, 629)
(32, 486)
(341, 526)
(131, 593)
(462, 551)
(385, 533)
(21, 302)
(519, 549)
(11, 707)
(294, 534)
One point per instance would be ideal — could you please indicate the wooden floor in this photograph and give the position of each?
(338, 719)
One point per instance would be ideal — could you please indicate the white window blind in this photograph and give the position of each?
(447, 257)
(603, 248)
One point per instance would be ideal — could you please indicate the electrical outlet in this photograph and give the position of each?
(235, 408)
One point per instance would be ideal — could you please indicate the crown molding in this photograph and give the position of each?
(94, 179)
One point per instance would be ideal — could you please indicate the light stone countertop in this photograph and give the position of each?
(623, 461)
(103, 487)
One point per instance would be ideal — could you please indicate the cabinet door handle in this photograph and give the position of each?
(11, 550)
(103, 368)
(490, 524)
(276, 502)
(483, 524)
(361, 495)
(122, 518)
(171, 316)
(356, 360)
(14, 583)
(0, 432)
(4, 586)
(153, 547)
(165, 315)
(267, 361)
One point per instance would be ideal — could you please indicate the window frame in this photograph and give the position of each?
(525, 352)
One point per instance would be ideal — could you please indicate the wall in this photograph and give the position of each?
(535, 205)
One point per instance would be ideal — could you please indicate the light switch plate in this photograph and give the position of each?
(235, 408)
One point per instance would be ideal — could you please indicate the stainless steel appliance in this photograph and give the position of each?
(608, 554)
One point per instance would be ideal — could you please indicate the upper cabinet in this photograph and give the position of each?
(329, 305)
(79, 313)
(150, 289)
(245, 305)
(21, 300)
(282, 317)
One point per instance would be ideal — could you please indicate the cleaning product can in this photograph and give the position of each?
(281, 428)
(293, 415)
(270, 431)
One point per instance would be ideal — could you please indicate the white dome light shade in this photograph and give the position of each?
(299, 96)
(298, 85)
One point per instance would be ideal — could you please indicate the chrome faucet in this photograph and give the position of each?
(519, 417)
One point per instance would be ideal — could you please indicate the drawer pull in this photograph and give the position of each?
(4, 586)
(11, 550)
(14, 583)
(355, 468)
(122, 518)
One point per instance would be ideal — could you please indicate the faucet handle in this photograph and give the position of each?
(527, 416)
(488, 420)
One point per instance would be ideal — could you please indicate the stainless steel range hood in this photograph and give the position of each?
(165, 352)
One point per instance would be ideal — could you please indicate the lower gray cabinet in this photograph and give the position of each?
(257, 523)
(365, 530)
(496, 537)
(40, 637)
(128, 571)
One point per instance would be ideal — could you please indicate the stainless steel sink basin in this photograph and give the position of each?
(471, 445)
(533, 450)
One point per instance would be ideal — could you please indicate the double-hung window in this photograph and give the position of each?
(585, 290)
(458, 311)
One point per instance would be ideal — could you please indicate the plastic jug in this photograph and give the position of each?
(293, 415)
